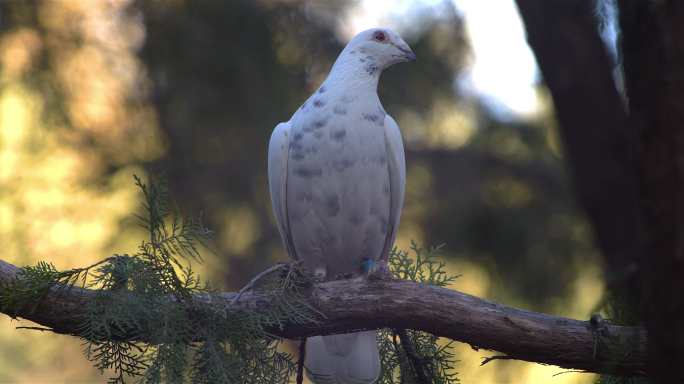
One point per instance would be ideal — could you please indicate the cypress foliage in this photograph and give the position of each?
(144, 326)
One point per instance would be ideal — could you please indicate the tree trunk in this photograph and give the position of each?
(599, 143)
(653, 49)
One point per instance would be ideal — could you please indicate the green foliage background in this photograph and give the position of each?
(94, 92)
(144, 323)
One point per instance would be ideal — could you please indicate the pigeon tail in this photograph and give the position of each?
(350, 358)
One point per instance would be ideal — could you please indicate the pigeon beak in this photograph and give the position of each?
(410, 56)
(408, 53)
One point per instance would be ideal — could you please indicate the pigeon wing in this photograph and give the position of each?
(278, 153)
(397, 172)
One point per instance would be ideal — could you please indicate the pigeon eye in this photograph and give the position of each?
(380, 36)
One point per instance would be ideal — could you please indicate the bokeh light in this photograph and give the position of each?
(92, 92)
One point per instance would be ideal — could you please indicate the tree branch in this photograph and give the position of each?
(349, 305)
(416, 362)
(300, 361)
(486, 360)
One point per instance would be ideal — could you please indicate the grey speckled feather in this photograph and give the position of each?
(336, 177)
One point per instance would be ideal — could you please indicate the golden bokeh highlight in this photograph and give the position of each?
(475, 280)
(446, 126)
(507, 192)
(56, 203)
(17, 52)
(240, 231)
(60, 203)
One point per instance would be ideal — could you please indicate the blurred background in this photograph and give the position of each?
(92, 92)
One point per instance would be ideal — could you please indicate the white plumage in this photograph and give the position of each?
(336, 174)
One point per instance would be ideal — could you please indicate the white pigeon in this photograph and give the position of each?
(336, 174)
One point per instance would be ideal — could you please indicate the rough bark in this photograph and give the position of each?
(652, 44)
(349, 305)
(600, 145)
(628, 163)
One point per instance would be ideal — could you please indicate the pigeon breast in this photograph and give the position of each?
(338, 186)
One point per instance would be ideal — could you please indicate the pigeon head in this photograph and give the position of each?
(380, 47)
